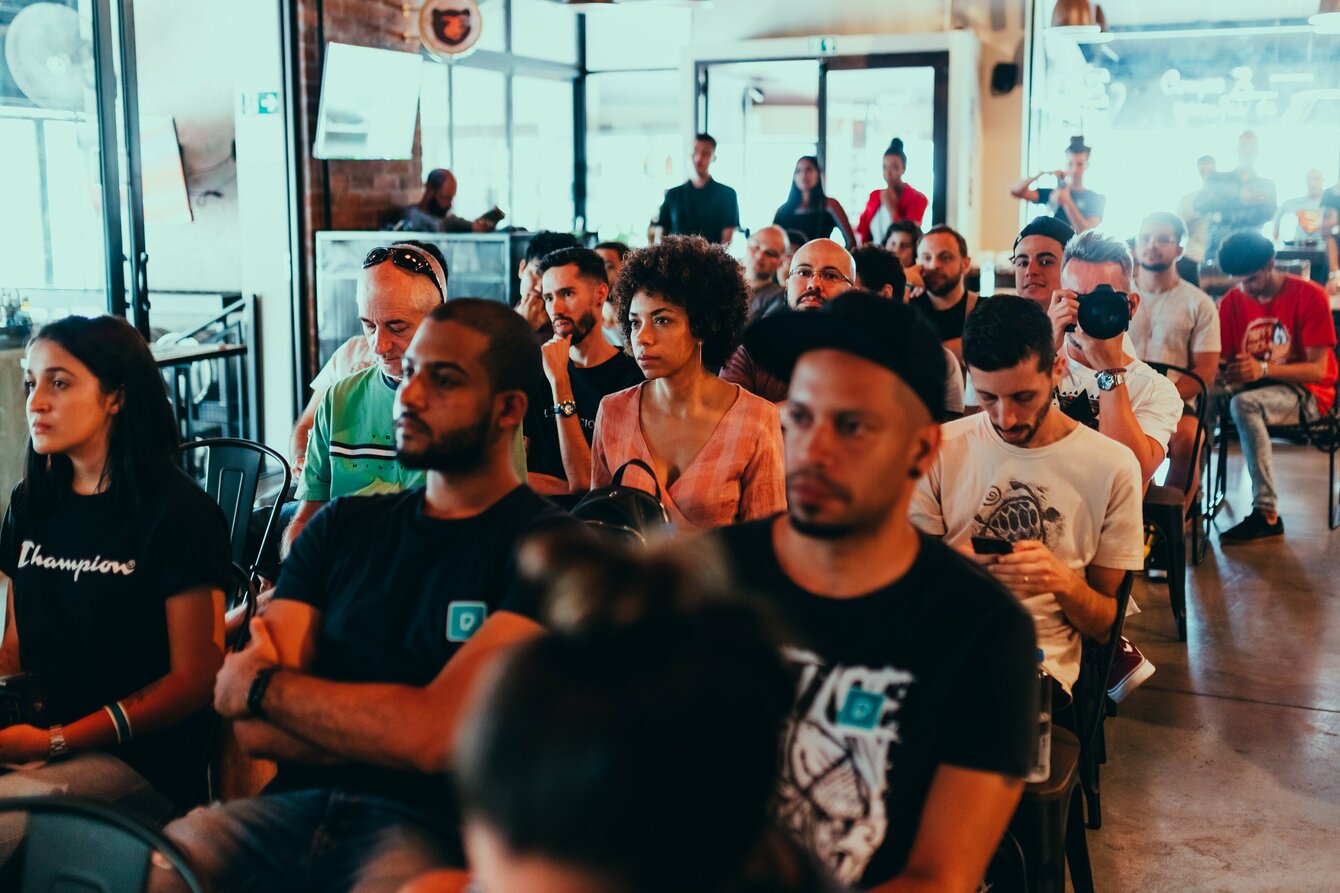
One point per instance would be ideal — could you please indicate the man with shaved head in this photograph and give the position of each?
(767, 247)
(820, 271)
(351, 449)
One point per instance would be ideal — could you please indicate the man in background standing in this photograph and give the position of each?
(700, 206)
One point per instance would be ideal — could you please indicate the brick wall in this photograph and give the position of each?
(345, 195)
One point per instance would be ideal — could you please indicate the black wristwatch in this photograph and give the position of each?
(256, 694)
(567, 409)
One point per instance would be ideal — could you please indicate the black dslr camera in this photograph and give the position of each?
(23, 701)
(1103, 313)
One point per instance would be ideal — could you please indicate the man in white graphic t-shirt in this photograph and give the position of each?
(1065, 497)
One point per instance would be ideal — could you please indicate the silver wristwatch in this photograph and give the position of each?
(56, 747)
(1109, 379)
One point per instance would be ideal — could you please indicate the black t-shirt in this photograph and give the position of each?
(691, 211)
(590, 385)
(1090, 204)
(90, 588)
(399, 593)
(948, 323)
(815, 223)
(938, 668)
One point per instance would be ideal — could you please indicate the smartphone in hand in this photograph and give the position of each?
(987, 545)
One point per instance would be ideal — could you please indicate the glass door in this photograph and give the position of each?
(865, 102)
(764, 115)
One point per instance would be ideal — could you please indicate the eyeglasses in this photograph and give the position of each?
(406, 259)
(829, 276)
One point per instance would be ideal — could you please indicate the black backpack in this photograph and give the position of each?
(624, 512)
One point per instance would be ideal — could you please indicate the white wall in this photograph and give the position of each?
(1002, 117)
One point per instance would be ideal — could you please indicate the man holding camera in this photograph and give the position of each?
(1104, 386)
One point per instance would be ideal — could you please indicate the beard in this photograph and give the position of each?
(817, 531)
(1032, 427)
(940, 285)
(1154, 268)
(458, 451)
(583, 326)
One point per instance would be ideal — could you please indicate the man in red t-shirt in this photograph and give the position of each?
(1277, 364)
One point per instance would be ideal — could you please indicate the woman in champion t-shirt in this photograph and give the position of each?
(115, 564)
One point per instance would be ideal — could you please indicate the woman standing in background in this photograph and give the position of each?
(808, 210)
(896, 201)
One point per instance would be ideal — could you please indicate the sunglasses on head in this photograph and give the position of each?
(406, 259)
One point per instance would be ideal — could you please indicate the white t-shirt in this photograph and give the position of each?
(1173, 325)
(953, 383)
(1079, 496)
(1154, 399)
(352, 356)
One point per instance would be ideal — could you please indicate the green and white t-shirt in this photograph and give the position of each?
(351, 451)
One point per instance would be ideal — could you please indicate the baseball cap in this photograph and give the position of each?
(888, 333)
(1048, 227)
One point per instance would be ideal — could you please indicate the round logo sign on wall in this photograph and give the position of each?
(450, 27)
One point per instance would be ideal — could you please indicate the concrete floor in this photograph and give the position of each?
(1224, 768)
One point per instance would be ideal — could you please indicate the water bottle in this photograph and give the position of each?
(1042, 764)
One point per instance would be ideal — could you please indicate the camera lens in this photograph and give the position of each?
(1104, 313)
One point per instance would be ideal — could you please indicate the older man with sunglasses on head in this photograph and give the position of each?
(351, 448)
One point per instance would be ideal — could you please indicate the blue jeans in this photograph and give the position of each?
(1252, 411)
(92, 775)
(319, 840)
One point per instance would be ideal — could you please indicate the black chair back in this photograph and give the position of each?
(1091, 702)
(73, 844)
(232, 470)
(1201, 405)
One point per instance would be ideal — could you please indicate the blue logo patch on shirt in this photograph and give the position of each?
(464, 619)
(861, 710)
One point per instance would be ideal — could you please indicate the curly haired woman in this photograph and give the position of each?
(715, 449)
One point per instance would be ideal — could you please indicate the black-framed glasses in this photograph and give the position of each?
(405, 259)
(827, 274)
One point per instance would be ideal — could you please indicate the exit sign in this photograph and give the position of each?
(823, 46)
(264, 103)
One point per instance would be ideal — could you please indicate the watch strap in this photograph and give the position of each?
(256, 694)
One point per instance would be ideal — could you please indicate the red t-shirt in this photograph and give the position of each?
(1282, 329)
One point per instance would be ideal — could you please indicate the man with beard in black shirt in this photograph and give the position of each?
(582, 368)
(915, 707)
(386, 612)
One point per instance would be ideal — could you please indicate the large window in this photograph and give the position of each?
(634, 141)
(1152, 99)
(635, 113)
(502, 118)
